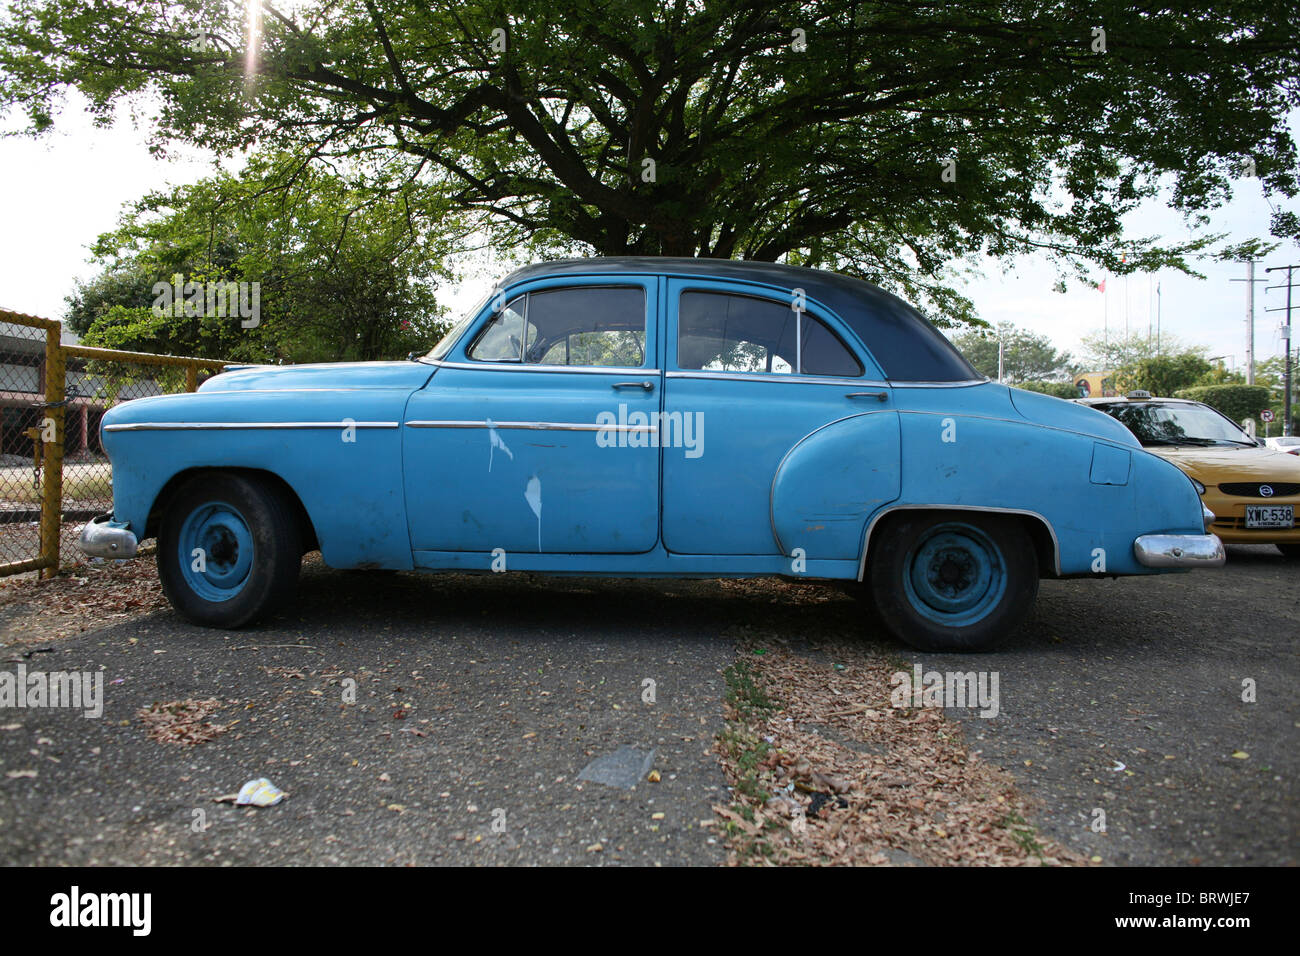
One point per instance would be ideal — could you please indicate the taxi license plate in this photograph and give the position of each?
(1270, 516)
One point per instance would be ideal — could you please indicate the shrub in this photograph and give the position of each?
(1059, 389)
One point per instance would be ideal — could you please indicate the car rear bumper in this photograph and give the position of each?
(1179, 551)
(103, 537)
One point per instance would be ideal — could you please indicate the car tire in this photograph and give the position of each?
(1290, 551)
(952, 581)
(251, 545)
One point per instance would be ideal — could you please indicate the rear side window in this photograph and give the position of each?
(722, 332)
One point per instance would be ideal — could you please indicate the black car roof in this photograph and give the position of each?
(903, 342)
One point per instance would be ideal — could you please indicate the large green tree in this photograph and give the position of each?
(1109, 351)
(1026, 356)
(1163, 375)
(888, 138)
(342, 272)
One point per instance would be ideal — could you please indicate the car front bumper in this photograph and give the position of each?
(103, 537)
(1230, 519)
(1179, 551)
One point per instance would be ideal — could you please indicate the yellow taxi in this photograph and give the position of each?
(1253, 491)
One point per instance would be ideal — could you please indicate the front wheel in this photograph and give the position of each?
(952, 581)
(229, 549)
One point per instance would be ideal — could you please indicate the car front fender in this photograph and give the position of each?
(339, 451)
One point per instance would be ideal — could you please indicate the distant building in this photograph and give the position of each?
(22, 393)
(1096, 384)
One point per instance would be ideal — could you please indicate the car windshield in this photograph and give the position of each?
(1156, 423)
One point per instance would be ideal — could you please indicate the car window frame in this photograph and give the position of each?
(487, 326)
(821, 313)
(646, 285)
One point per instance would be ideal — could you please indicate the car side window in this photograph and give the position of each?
(724, 332)
(579, 326)
(502, 339)
(587, 325)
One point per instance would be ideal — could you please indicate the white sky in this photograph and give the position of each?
(61, 192)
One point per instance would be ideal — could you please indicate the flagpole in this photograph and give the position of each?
(1105, 323)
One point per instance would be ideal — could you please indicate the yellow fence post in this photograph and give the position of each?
(54, 420)
(52, 424)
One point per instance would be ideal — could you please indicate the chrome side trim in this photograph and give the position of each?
(774, 377)
(818, 380)
(521, 367)
(1179, 551)
(237, 426)
(535, 426)
(725, 376)
(268, 391)
(866, 543)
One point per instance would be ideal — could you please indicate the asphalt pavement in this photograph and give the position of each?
(420, 720)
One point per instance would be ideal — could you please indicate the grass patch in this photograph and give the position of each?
(1022, 831)
(744, 692)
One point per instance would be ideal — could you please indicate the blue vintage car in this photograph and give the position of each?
(652, 417)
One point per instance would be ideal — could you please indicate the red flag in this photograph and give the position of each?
(1101, 286)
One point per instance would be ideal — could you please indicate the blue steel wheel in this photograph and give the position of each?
(229, 548)
(216, 551)
(952, 581)
(956, 575)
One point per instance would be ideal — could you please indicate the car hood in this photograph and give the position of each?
(333, 375)
(1214, 466)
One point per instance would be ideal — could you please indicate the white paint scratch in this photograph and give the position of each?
(533, 495)
(495, 442)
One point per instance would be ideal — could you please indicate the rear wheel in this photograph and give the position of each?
(1291, 551)
(952, 581)
(229, 549)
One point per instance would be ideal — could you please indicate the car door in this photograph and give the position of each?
(762, 382)
(535, 432)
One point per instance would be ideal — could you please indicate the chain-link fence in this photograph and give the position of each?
(54, 475)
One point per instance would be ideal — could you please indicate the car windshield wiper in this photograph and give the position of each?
(1199, 442)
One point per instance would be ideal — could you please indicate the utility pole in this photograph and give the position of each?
(1286, 345)
(1250, 281)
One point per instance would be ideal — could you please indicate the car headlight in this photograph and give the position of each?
(1200, 488)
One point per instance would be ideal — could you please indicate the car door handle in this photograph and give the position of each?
(647, 385)
(879, 396)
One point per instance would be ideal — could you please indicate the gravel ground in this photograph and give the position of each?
(477, 700)
(1148, 674)
(480, 699)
